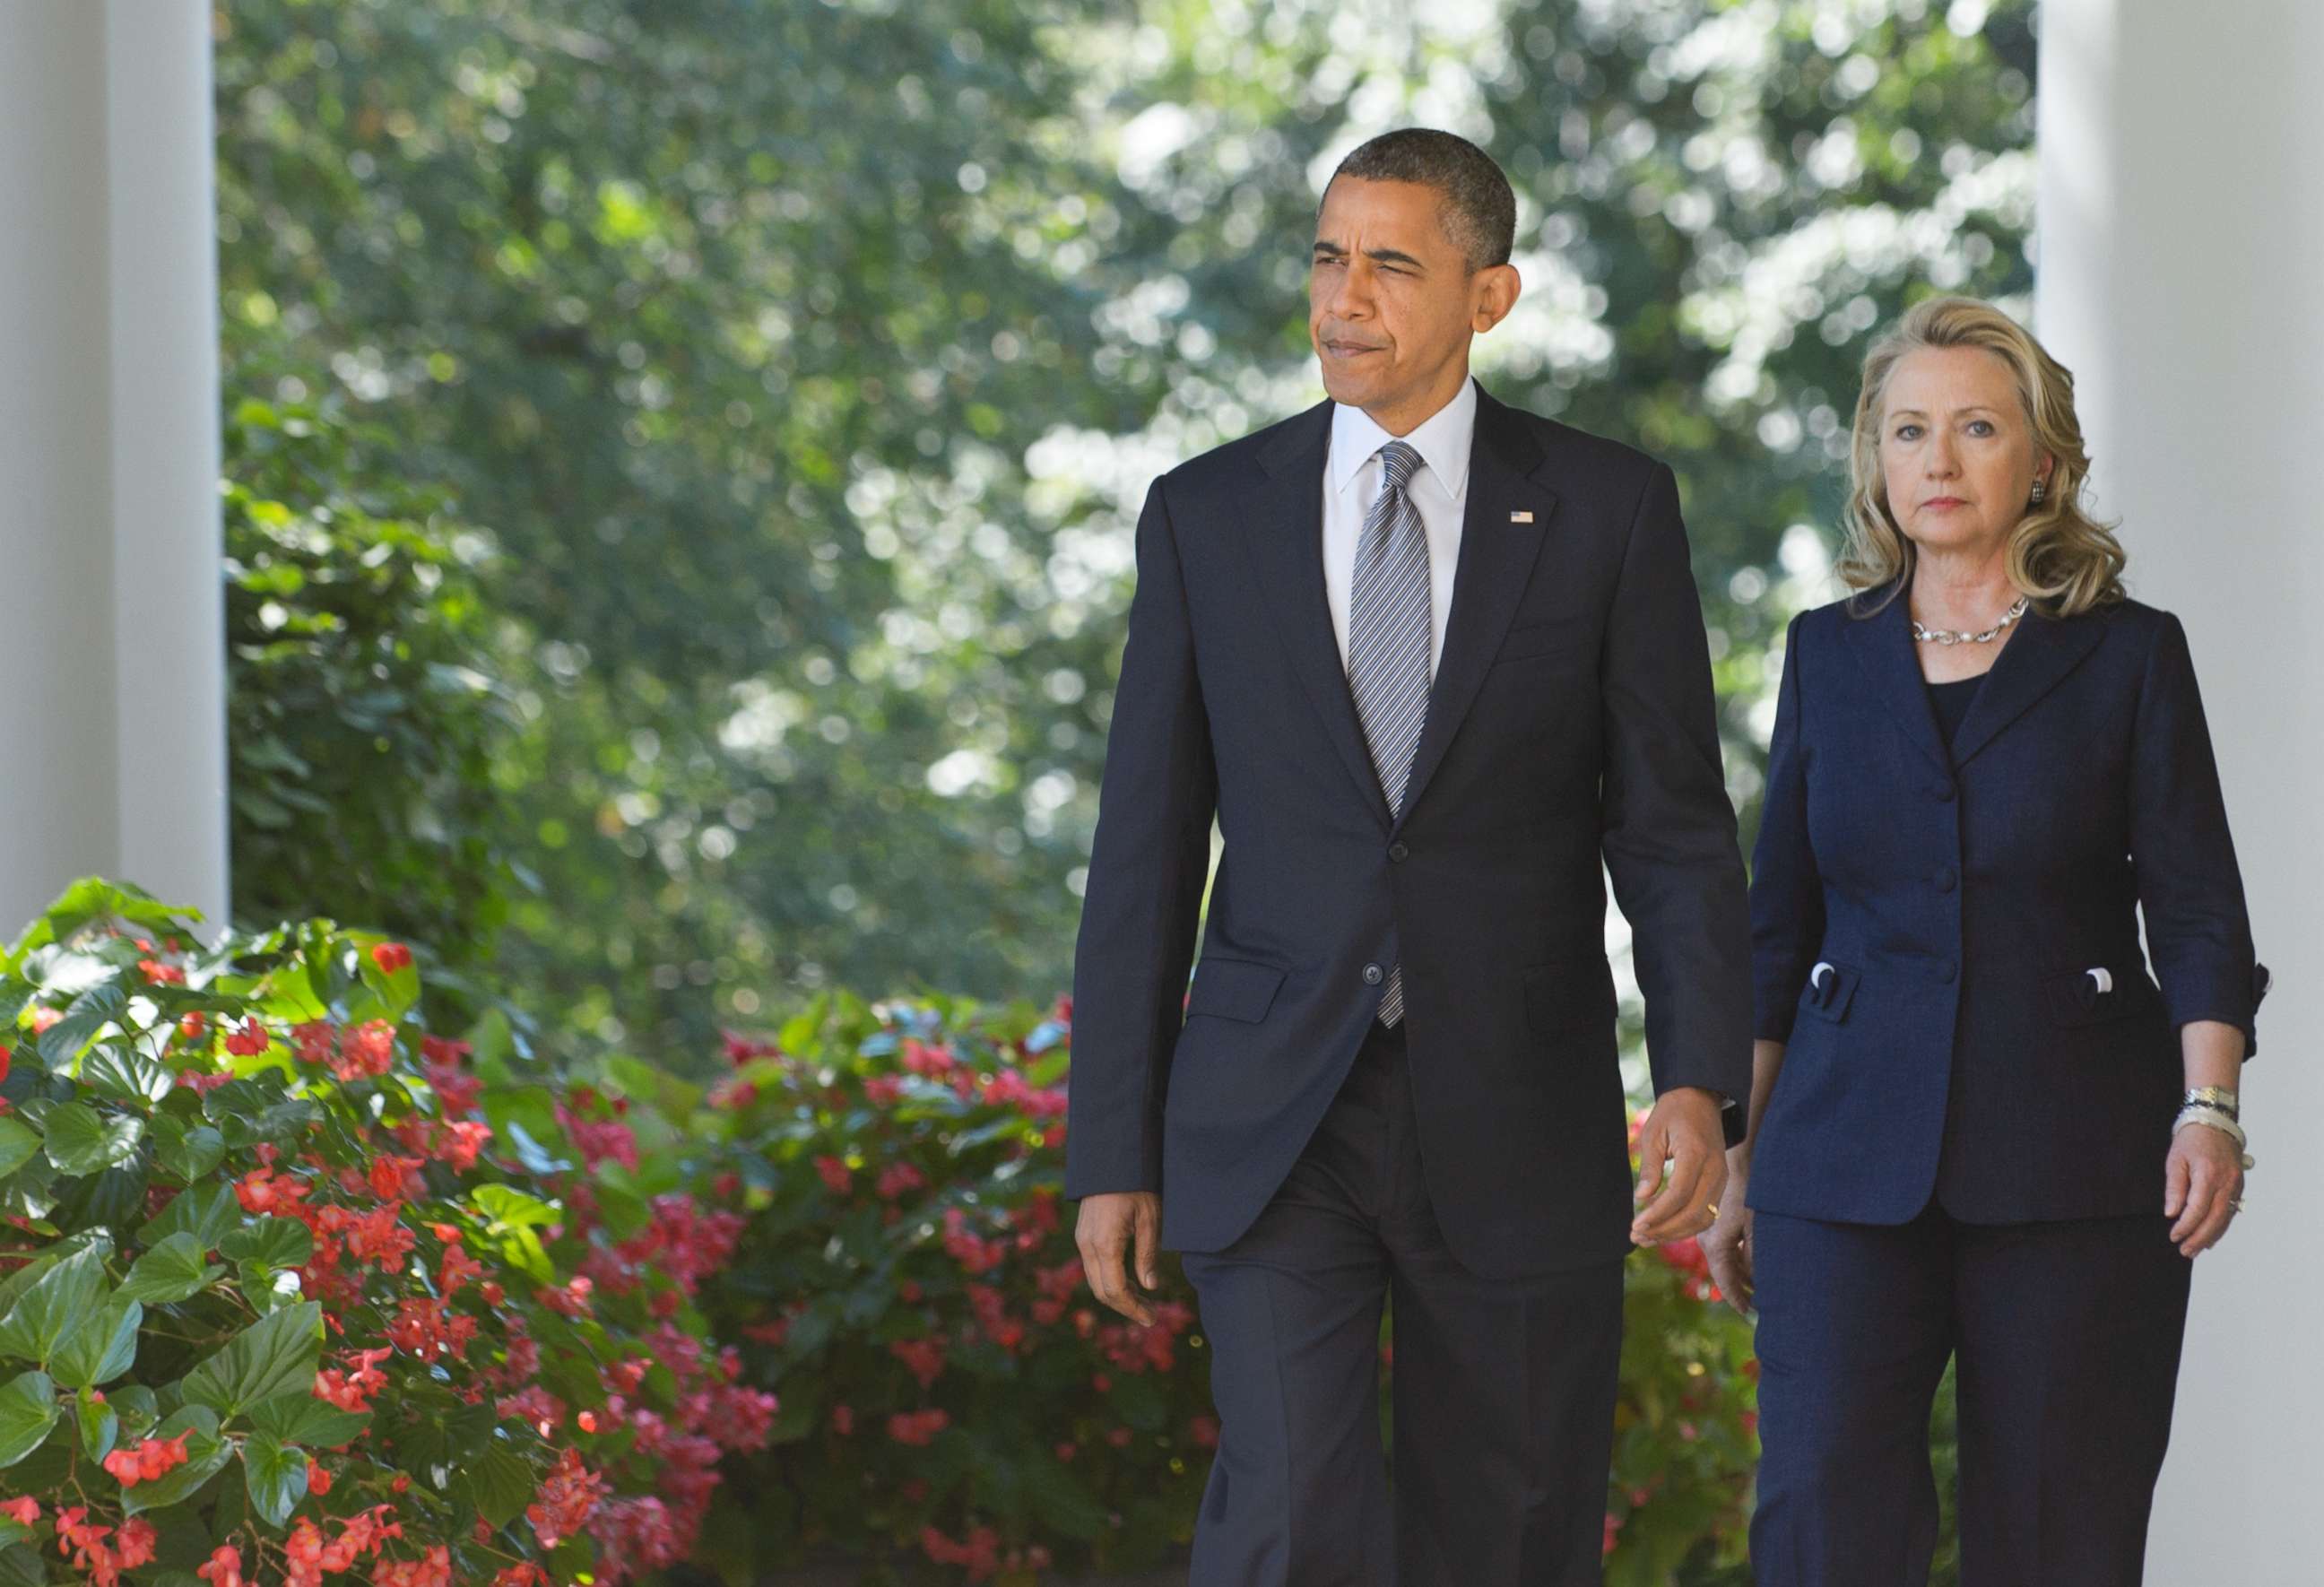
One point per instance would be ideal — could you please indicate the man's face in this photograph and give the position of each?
(1391, 302)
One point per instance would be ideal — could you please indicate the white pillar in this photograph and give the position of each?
(112, 662)
(2179, 235)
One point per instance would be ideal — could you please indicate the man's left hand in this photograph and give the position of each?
(1681, 1167)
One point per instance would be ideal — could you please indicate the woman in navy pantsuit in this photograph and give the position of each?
(1981, 1129)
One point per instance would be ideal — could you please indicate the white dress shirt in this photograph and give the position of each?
(1439, 488)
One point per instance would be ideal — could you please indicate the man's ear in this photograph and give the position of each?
(1495, 294)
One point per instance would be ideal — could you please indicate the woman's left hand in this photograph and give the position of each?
(2203, 1181)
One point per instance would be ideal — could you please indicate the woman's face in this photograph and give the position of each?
(1957, 452)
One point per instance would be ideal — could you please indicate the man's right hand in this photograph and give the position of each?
(1114, 1229)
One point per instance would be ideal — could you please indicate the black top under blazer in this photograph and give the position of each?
(1959, 1046)
(1570, 732)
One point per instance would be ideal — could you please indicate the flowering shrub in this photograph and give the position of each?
(908, 1283)
(289, 1289)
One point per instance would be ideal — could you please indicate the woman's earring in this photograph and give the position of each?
(2040, 489)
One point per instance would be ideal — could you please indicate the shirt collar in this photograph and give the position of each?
(1443, 440)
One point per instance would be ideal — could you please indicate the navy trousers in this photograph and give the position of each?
(1503, 1395)
(2067, 1336)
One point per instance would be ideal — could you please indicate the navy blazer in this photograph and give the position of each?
(1946, 937)
(1570, 732)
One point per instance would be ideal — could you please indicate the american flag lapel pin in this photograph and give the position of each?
(1520, 518)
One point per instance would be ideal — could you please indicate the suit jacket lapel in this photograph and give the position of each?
(1884, 645)
(1284, 536)
(1496, 561)
(2035, 660)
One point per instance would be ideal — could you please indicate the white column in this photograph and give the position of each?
(2179, 278)
(112, 663)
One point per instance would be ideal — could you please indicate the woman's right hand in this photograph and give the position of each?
(1726, 1244)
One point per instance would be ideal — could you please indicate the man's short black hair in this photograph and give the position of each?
(1479, 213)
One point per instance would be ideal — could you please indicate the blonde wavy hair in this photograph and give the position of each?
(2060, 556)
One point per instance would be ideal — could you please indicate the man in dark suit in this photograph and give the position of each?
(1436, 666)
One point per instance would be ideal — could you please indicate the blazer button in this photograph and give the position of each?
(1373, 975)
(1943, 793)
(1947, 970)
(1948, 879)
(1396, 850)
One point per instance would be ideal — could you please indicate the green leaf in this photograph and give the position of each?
(100, 1427)
(268, 1242)
(278, 1352)
(191, 1151)
(126, 1073)
(28, 1410)
(21, 1567)
(397, 992)
(18, 1145)
(299, 1418)
(105, 1350)
(81, 1140)
(501, 1484)
(84, 1017)
(268, 1288)
(170, 1271)
(276, 1476)
(204, 1211)
(64, 1298)
(509, 1207)
(137, 1406)
(206, 1452)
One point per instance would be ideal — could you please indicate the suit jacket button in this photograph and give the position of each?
(1396, 850)
(1947, 970)
(1943, 793)
(1373, 975)
(1948, 879)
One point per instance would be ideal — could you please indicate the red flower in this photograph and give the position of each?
(567, 1497)
(390, 956)
(917, 1427)
(835, 1177)
(318, 1477)
(223, 1569)
(24, 1512)
(247, 1043)
(843, 1419)
(364, 1049)
(896, 1178)
(1204, 1431)
(923, 1358)
(260, 1191)
(353, 1391)
(390, 1175)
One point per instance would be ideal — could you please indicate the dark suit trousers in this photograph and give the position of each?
(2067, 1337)
(1503, 1390)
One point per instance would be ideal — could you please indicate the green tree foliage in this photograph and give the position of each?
(808, 360)
(362, 718)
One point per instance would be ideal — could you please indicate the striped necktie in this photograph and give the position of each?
(1389, 642)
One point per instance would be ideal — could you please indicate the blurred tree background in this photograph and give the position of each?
(739, 408)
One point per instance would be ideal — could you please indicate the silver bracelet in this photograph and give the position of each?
(2212, 1118)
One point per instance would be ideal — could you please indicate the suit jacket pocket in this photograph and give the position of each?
(1830, 990)
(2097, 994)
(1233, 988)
(1569, 995)
(1561, 637)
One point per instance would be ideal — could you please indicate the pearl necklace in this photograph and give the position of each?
(1952, 636)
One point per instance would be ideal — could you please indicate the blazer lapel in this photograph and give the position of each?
(1885, 647)
(1489, 580)
(1284, 519)
(2035, 660)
